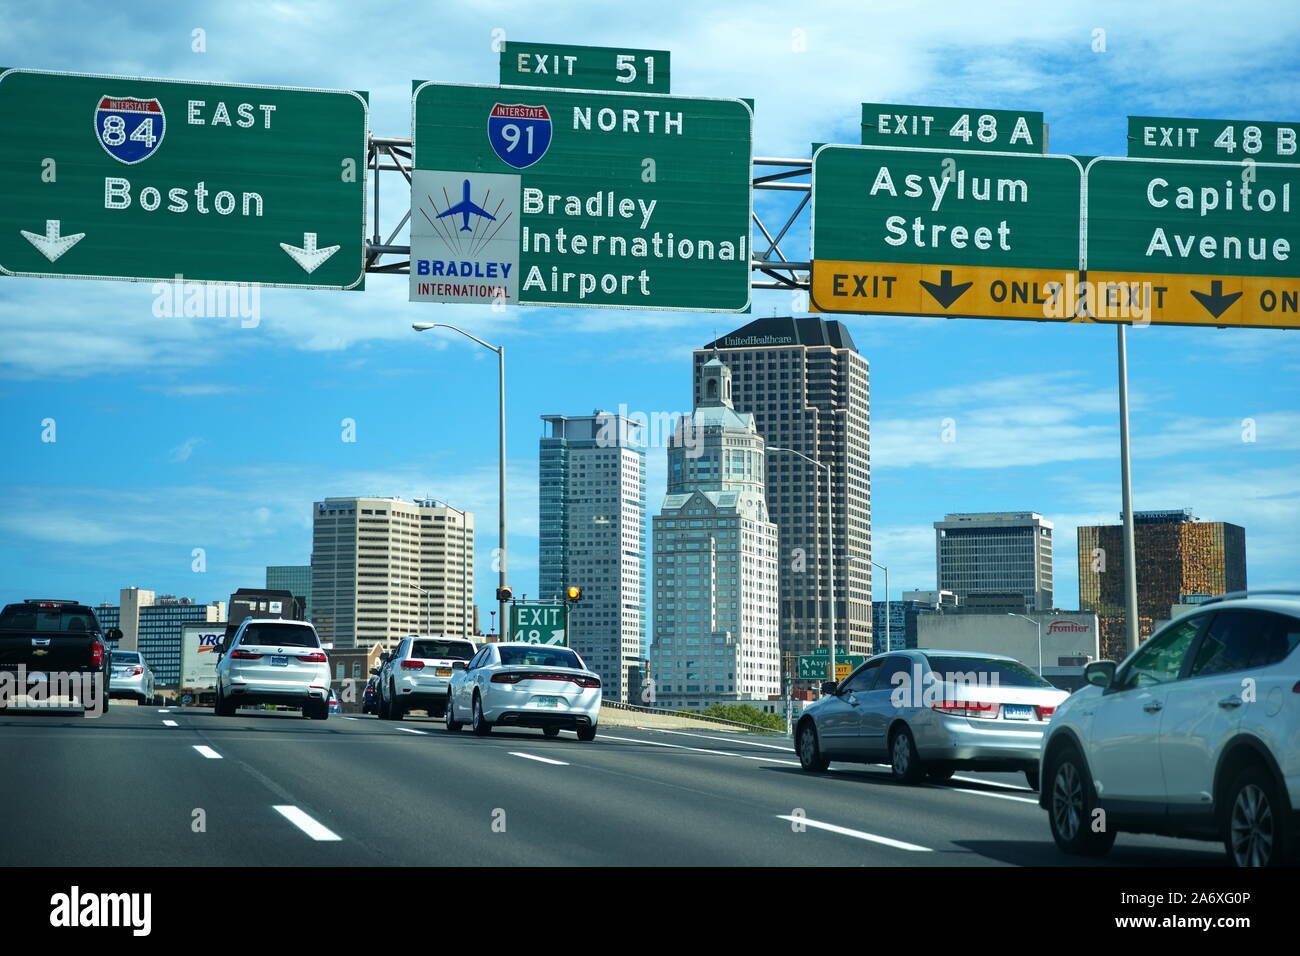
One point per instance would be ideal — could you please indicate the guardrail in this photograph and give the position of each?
(690, 715)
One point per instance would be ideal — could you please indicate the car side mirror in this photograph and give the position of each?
(1101, 673)
(830, 687)
(458, 665)
(114, 634)
(385, 657)
(374, 672)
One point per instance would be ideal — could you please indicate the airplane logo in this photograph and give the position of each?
(466, 208)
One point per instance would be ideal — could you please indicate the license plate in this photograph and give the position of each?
(279, 661)
(1017, 712)
(443, 672)
(548, 701)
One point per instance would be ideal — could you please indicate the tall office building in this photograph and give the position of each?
(1176, 555)
(998, 551)
(808, 389)
(715, 559)
(294, 578)
(383, 568)
(151, 624)
(591, 512)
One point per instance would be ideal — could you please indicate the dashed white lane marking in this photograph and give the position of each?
(344, 717)
(164, 710)
(719, 753)
(207, 752)
(411, 730)
(999, 796)
(169, 723)
(558, 763)
(748, 743)
(856, 834)
(315, 830)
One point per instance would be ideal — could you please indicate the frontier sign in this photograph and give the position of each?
(579, 198)
(147, 179)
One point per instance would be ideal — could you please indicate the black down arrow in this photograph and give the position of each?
(944, 292)
(1215, 302)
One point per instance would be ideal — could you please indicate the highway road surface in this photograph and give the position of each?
(150, 786)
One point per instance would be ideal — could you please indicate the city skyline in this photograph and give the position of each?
(170, 410)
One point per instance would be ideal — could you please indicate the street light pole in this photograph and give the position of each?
(830, 543)
(501, 466)
(1039, 625)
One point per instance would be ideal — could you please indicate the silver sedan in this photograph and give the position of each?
(928, 712)
(131, 677)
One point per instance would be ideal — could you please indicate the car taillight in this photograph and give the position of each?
(588, 682)
(246, 655)
(96, 652)
(1045, 713)
(412, 665)
(317, 658)
(966, 708)
(136, 671)
(507, 678)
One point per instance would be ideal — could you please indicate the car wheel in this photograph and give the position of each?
(1031, 777)
(222, 708)
(396, 709)
(587, 733)
(904, 760)
(1070, 807)
(811, 758)
(453, 724)
(939, 773)
(317, 711)
(1255, 829)
(478, 723)
(550, 731)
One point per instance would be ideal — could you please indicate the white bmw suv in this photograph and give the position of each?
(1195, 734)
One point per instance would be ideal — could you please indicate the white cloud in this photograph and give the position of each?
(182, 452)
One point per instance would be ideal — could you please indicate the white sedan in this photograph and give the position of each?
(524, 685)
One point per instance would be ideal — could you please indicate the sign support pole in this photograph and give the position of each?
(1126, 483)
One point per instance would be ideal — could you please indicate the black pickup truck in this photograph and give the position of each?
(54, 645)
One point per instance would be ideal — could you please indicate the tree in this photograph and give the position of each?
(746, 714)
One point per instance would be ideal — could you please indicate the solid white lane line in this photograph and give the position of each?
(986, 793)
(857, 834)
(164, 710)
(207, 752)
(169, 723)
(701, 750)
(558, 763)
(992, 783)
(411, 730)
(345, 717)
(748, 743)
(306, 824)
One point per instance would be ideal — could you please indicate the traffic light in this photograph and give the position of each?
(573, 594)
(505, 594)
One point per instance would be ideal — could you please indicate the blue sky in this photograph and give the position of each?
(175, 434)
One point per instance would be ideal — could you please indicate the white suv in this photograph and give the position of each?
(1195, 734)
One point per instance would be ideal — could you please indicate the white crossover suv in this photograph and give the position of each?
(1195, 734)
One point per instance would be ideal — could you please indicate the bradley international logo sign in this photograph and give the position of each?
(464, 237)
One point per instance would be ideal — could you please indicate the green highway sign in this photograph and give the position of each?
(815, 666)
(147, 179)
(1163, 137)
(1196, 243)
(577, 198)
(945, 127)
(584, 67)
(932, 232)
(539, 623)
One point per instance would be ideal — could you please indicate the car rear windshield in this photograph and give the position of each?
(986, 670)
(28, 617)
(442, 650)
(281, 635)
(126, 657)
(539, 657)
